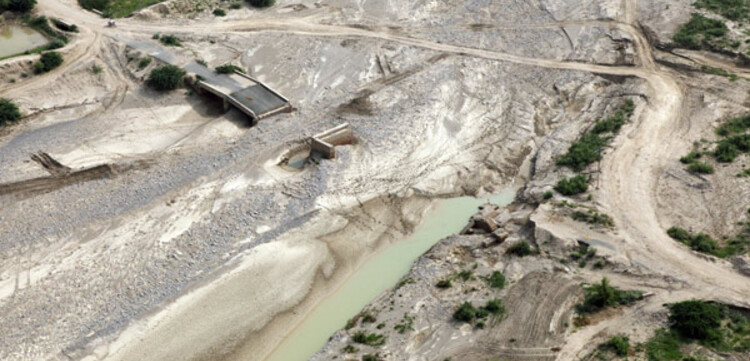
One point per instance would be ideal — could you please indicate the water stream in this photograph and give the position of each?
(378, 273)
(15, 39)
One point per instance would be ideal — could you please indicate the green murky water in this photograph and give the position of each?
(381, 271)
(15, 39)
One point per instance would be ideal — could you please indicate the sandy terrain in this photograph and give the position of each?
(202, 235)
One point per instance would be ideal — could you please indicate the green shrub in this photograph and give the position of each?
(406, 324)
(143, 63)
(19, 6)
(47, 62)
(446, 283)
(583, 152)
(370, 339)
(520, 249)
(96, 69)
(73, 28)
(465, 313)
(548, 195)
(235, 6)
(619, 344)
(495, 307)
(694, 319)
(592, 216)
(602, 295)
(700, 168)
(465, 275)
(229, 68)
(100, 5)
(704, 243)
(166, 77)
(699, 32)
(691, 157)
(496, 280)
(219, 12)
(9, 111)
(261, 3)
(349, 349)
(572, 186)
(170, 40)
(369, 357)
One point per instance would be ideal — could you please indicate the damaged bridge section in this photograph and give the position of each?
(245, 93)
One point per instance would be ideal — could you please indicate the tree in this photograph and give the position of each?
(694, 318)
(166, 77)
(261, 3)
(572, 186)
(8, 111)
(19, 6)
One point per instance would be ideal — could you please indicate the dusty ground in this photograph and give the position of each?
(445, 99)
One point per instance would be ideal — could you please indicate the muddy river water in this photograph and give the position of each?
(15, 39)
(381, 271)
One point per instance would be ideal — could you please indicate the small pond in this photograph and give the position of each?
(15, 39)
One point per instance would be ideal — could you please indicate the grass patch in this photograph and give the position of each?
(700, 168)
(588, 148)
(603, 295)
(700, 32)
(619, 344)
(720, 72)
(117, 8)
(703, 243)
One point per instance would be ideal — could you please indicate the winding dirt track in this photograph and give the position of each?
(630, 172)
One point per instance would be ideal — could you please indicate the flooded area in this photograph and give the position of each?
(15, 39)
(381, 271)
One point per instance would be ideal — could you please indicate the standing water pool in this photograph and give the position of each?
(15, 39)
(377, 274)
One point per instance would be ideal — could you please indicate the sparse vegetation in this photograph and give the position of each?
(592, 216)
(349, 349)
(229, 68)
(601, 295)
(572, 186)
(96, 69)
(369, 357)
(47, 62)
(9, 111)
(730, 9)
(406, 324)
(235, 6)
(703, 243)
(370, 339)
(166, 77)
(465, 275)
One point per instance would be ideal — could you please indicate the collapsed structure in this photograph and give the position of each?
(325, 143)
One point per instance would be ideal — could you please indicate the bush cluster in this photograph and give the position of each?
(466, 312)
(592, 216)
(9, 111)
(166, 77)
(170, 40)
(603, 295)
(730, 9)
(699, 32)
(694, 319)
(220, 12)
(587, 150)
(572, 186)
(496, 280)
